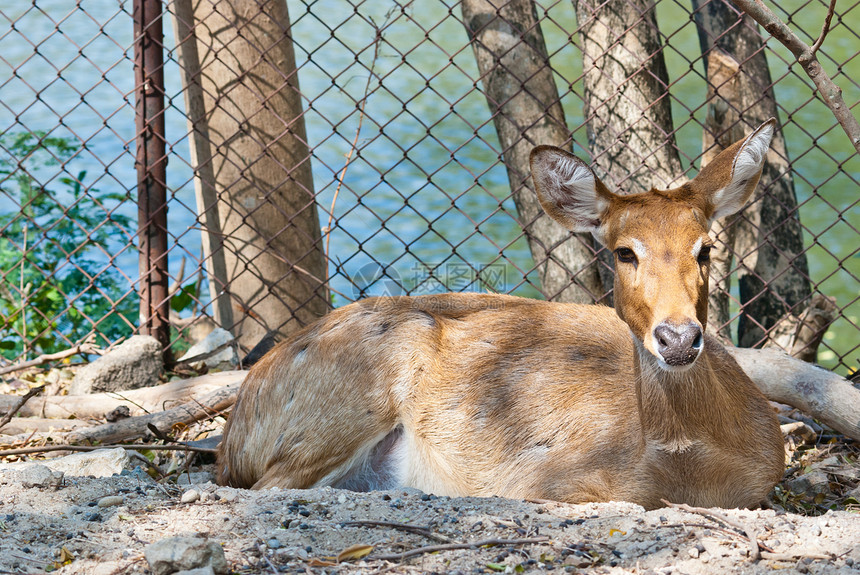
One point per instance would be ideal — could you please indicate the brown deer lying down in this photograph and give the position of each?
(479, 394)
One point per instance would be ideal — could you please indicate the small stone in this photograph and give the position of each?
(110, 501)
(273, 543)
(190, 496)
(577, 561)
(693, 552)
(341, 498)
(185, 553)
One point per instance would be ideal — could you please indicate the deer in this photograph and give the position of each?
(482, 394)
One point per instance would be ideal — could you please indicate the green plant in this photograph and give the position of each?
(57, 284)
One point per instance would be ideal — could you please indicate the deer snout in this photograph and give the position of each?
(678, 345)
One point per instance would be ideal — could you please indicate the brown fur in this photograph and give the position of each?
(476, 394)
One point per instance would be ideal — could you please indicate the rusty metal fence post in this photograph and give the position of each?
(151, 164)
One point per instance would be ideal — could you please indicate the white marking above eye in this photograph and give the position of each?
(639, 248)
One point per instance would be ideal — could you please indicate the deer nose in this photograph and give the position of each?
(679, 345)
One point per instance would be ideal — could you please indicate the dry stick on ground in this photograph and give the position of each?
(84, 348)
(451, 546)
(417, 529)
(132, 446)
(830, 92)
(755, 553)
(19, 404)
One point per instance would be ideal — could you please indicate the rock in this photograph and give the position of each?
(134, 364)
(811, 483)
(110, 501)
(195, 478)
(199, 571)
(99, 463)
(33, 475)
(185, 553)
(190, 496)
(211, 342)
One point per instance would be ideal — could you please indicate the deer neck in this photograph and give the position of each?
(676, 408)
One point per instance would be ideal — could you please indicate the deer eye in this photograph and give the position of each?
(625, 255)
(704, 255)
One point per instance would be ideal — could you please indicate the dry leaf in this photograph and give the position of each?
(320, 563)
(354, 552)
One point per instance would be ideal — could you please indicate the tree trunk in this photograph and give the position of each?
(722, 129)
(276, 266)
(521, 93)
(627, 109)
(773, 274)
(626, 100)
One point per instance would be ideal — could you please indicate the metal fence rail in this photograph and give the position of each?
(397, 147)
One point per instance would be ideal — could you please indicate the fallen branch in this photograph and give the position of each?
(816, 391)
(830, 92)
(452, 546)
(139, 401)
(131, 446)
(749, 532)
(20, 425)
(85, 348)
(416, 529)
(19, 404)
(135, 427)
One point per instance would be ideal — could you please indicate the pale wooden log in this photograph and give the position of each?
(814, 390)
(136, 427)
(138, 401)
(27, 425)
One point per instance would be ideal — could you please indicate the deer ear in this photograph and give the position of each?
(568, 190)
(730, 179)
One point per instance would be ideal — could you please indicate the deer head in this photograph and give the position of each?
(659, 238)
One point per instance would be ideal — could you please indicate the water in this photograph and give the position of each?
(426, 185)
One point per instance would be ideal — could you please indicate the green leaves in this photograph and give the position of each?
(57, 283)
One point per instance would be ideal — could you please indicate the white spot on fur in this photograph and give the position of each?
(639, 248)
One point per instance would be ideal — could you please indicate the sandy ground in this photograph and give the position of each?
(89, 525)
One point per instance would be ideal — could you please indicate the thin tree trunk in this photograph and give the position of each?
(627, 108)
(521, 93)
(626, 99)
(205, 189)
(773, 276)
(268, 212)
(722, 129)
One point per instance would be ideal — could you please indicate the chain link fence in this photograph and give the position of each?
(386, 168)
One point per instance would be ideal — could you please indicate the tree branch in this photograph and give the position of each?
(826, 28)
(830, 92)
(85, 348)
(11, 413)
